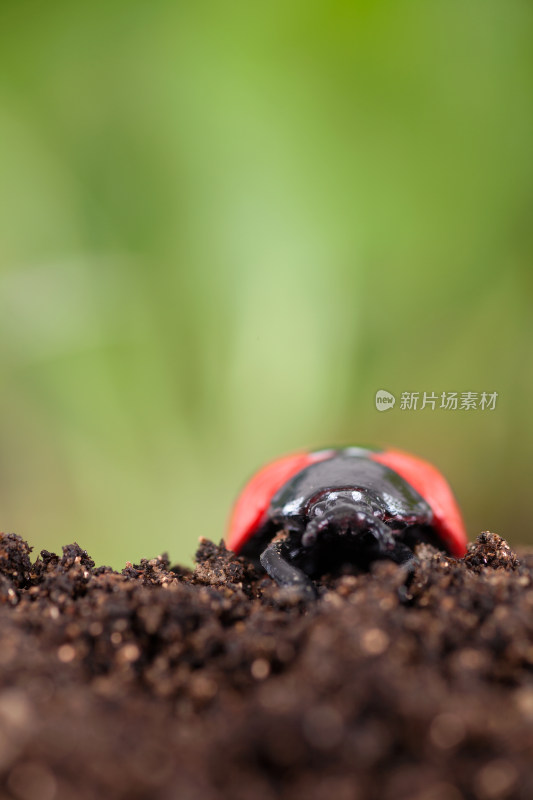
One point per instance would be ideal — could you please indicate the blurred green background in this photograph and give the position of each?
(225, 225)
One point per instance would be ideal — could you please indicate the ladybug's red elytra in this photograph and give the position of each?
(343, 505)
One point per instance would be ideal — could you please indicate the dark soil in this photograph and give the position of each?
(164, 683)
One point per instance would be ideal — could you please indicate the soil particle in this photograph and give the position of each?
(162, 682)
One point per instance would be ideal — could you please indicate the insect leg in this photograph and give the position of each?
(284, 573)
(389, 546)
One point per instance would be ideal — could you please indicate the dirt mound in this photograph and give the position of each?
(163, 683)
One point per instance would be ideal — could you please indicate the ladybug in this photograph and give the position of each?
(310, 513)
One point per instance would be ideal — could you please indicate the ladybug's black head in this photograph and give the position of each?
(343, 513)
(337, 528)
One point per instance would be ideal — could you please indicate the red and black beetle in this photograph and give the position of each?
(343, 505)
